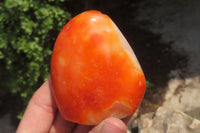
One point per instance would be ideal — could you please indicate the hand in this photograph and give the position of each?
(42, 116)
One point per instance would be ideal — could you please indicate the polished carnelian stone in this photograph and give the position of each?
(94, 71)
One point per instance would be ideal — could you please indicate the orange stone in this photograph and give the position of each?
(94, 71)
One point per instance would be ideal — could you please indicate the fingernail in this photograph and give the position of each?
(113, 127)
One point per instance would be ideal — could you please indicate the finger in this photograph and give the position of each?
(60, 125)
(110, 125)
(40, 112)
(82, 129)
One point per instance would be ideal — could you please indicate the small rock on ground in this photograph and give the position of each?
(184, 94)
(167, 120)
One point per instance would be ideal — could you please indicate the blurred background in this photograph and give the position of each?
(164, 34)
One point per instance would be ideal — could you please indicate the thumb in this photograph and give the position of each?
(110, 125)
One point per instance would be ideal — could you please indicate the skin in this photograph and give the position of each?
(42, 116)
